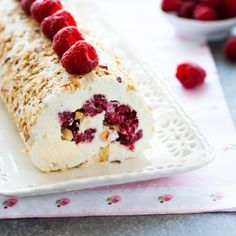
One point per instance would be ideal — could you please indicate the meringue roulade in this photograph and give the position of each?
(68, 120)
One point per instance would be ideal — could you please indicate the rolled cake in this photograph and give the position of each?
(67, 120)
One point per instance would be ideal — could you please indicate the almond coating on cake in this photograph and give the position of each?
(67, 120)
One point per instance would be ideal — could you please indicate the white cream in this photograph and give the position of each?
(49, 152)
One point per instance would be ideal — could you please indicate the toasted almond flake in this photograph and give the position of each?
(130, 87)
(104, 135)
(26, 151)
(79, 115)
(91, 162)
(149, 108)
(103, 154)
(64, 169)
(75, 82)
(67, 134)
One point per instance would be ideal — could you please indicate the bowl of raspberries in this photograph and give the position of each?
(200, 20)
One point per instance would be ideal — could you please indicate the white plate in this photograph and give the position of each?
(178, 146)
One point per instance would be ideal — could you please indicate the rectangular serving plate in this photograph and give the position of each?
(178, 145)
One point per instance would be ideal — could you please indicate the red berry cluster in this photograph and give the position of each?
(123, 117)
(204, 10)
(117, 115)
(77, 55)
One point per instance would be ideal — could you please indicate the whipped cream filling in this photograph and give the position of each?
(49, 151)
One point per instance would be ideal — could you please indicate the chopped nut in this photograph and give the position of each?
(75, 82)
(104, 135)
(103, 67)
(130, 87)
(64, 169)
(26, 151)
(79, 115)
(103, 154)
(67, 134)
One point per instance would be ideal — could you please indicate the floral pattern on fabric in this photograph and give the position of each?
(63, 202)
(113, 199)
(216, 196)
(9, 203)
(165, 198)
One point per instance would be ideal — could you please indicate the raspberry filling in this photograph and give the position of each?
(96, 105)
(66, 119)
(126, 121)
(84, 137)
(69, 122)
(117, 116)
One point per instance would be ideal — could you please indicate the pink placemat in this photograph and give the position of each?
(212, 188)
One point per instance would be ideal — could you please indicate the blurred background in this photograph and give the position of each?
(163, 40)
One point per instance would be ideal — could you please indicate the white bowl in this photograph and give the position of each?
(200, 30)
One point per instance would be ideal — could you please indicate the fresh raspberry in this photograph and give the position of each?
(190, 75)
(186, 9)
(43, 8)
(96, 105)
(205, 13)
(81, 58)
(211, 3)
(26, 4)
(65, 38)
(229, 8)
(70, 19)
(230, 48)
(86, 137)
(169, 5)
(52, 24)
